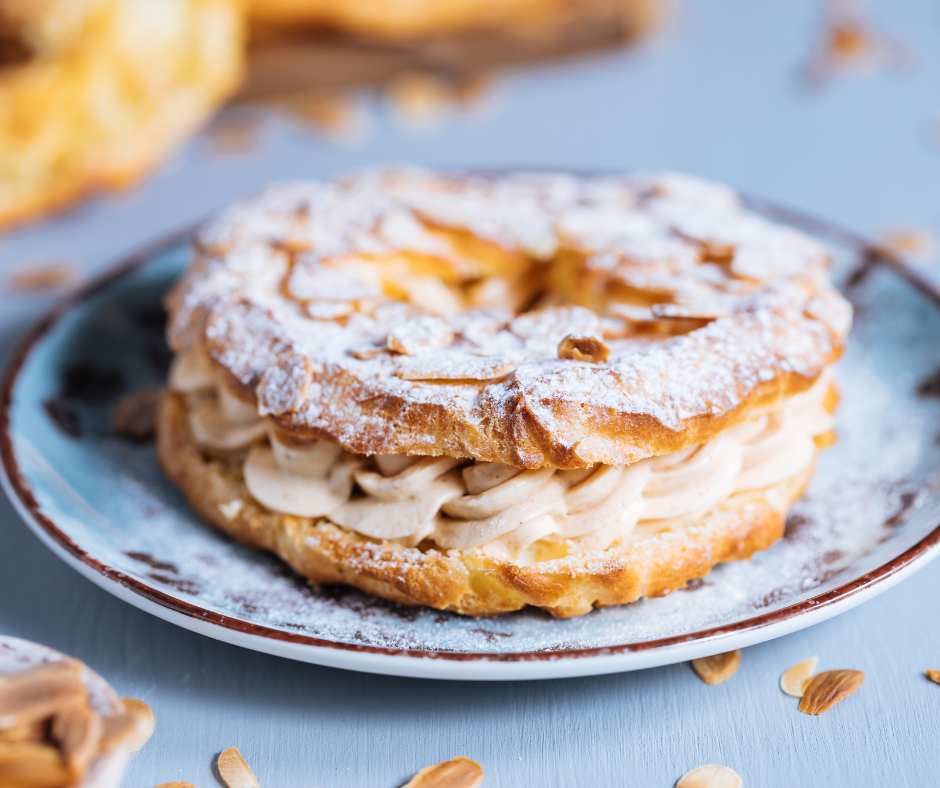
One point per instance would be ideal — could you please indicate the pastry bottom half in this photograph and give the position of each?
(658, 557)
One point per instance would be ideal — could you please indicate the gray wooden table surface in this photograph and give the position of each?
(721, 96)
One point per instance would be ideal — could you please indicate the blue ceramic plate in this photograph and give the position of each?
(869, 518)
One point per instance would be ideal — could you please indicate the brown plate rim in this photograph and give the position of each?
(869, 255)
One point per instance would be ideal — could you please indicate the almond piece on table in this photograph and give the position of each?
(719, 668)
(176, 785)
(934, 676)
(234, 771)
(456, 773)
(143, 723)
(77, 732)
(825, 690)
(38, 693)
(794, 679)
(710, 776)
(32, 765)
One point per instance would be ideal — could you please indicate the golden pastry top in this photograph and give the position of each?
(531, 319)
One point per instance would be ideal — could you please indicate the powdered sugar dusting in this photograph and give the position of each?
(359, 264)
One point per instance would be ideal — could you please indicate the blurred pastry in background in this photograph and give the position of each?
(394, 20)
(325, 45)
(95, 93)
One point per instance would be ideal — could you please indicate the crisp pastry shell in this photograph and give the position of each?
(654, 562)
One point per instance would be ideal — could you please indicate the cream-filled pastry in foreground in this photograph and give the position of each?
(484, 392)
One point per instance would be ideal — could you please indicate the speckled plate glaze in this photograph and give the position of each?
(869, 518)
(16, 655)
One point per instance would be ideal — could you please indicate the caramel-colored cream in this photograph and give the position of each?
(505, 512)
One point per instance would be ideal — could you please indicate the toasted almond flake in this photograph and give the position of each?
(719, 668)
(234, 137)
(434, 367)
(421, 98)
(917, 243)
(176, 785)
(581, 347)
(427, 332)
(48, 276)
(710, 776)
(231, 509)
(32, 765)
(793, 680)
(77, 732)
(934, 676)
(825, 690)
(331, 114)
(135, 415)
(367, 352)
(234, 771)
(143, 723)
(38, 693)
(456, 773)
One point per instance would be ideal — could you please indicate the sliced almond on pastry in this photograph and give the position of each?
(234, 771)
(420, 333)
(710, 776)
(452, 366)
(580, 347)
(718, 668)
(456, 773)
(825, 690)
(283, 385)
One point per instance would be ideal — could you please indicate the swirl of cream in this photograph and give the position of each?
(697, 481)
(403, 506)
(498, 508)
(213, 428)
(302, 495)
(191, 373)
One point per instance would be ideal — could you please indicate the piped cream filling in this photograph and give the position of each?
(505, 512)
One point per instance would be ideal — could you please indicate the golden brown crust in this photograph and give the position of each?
(324, 323)
(652, 564)
(162, 80)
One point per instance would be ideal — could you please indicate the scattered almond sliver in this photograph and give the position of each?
(176, 785)
(234, 771)
(934, 676)
(456, 773)
(710, 776)
(718, 668)
(795, 678)
(825, 690)
(49, 276)
(143, 723)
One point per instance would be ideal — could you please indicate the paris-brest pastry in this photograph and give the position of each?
(480, 392)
